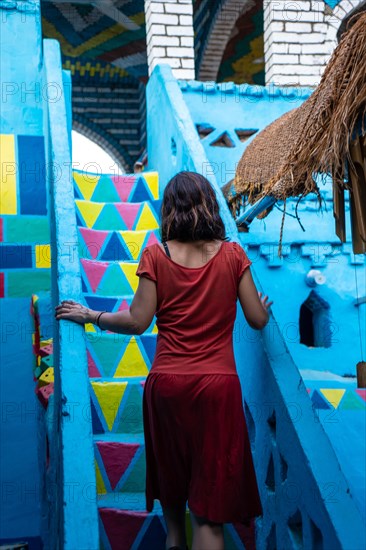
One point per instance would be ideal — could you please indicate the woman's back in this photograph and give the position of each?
(196, 304)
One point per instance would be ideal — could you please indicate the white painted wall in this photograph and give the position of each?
(170, 36)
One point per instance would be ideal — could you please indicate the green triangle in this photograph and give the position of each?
(229, 542)
(351, 401)
(114, 282)
(135, 483)
(131, 416)
(105, 191)
(109, 218)
(107, 353)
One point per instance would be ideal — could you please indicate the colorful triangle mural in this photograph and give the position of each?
(109, 396)
(116, 458)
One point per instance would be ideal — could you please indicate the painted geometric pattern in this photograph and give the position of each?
(112, 245)
(243, 58)
(341, 399)
(117, 219)
(43, 371)
(25, 255)
(89, 34)
(113, 188)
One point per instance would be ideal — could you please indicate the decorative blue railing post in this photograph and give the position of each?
(75, 520)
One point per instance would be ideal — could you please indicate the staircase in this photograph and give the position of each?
(117, 216)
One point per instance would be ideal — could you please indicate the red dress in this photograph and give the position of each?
(196, 438)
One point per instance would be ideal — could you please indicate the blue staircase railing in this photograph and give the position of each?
(74, 522)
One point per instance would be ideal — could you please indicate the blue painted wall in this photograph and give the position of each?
(21, 489)
(21, 117)
(299, 460)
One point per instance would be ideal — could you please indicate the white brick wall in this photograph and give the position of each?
(299, 38)
(170, 36)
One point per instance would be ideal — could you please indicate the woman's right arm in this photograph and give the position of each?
(255, 308)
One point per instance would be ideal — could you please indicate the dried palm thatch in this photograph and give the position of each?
(313, 138)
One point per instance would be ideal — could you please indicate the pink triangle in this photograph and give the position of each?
(308, 390)
(123, 185)
(152, 239)
(128, 212)
(121, 525)
(124, 305)
(116, 458)
(92, 368)
(94, 240)
(94, 271)
(362, 393)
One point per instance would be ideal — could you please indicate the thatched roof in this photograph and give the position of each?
(313, 138)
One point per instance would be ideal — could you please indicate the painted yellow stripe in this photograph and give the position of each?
(8, 183)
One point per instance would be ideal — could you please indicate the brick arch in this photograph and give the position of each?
(219, 35)
(87, 129)
(334, 19)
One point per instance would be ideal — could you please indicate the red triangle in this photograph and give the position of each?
(152, 239)
(94, 271)
(128, 212)
(362, 393)
(94, 240)
(120, 526)
(92, 368)
(116, 458)
(123, 185)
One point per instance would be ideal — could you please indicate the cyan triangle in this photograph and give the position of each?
(351, 401)
(131, 423)
(149, 342)
(114, 250)
(318, 401)
(114, 282)
(105, 191)
(141, 192)
(135, 481)
(110, 219)
(106, 353)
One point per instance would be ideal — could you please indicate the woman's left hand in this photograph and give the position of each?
(73, 311)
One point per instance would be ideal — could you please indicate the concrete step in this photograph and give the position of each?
(124, 524)
(118, 216)
(116, 405)
(113, 188)
(110, 245)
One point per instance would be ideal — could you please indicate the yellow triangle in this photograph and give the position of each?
(129, 269)
(89, 211)
(152, 180)
(132, 363)
(134, 241)
(89, 327)
(147, 219)
(101, 490)
(109, 395)
(86, 183)
(334, 396)
(154, 330)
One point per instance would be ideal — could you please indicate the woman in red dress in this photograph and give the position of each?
(196, 439)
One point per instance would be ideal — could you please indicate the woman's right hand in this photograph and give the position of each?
(264, 302)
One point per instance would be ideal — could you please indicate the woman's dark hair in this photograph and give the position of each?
(189, 210)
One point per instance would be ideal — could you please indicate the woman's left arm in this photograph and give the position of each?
(134, 320)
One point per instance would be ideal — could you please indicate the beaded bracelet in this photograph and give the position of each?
(96, 322)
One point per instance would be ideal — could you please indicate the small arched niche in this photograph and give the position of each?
(315, 321)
